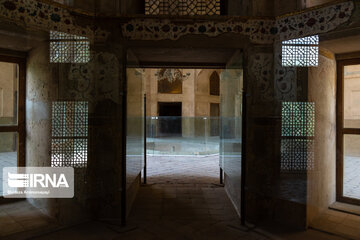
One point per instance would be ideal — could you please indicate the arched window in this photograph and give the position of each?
(215, 84)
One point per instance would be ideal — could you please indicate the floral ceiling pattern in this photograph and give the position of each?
(36, 15)
(314, 22)
(259, 31)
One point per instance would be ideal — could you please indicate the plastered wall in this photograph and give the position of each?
(321, 180)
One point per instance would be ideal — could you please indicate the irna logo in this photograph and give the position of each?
(37, 180)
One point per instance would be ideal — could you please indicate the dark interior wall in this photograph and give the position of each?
(107, 7)
(133, 6)
(88, 5)
(284, 6)
(98, 185)
(271, 196)
(110, 7)
(263, 7)
(42, 87)
(238, 7)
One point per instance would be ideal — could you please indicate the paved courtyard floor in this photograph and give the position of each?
(201, 169)
(183, 169)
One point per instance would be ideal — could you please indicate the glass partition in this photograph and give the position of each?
(231, 98)
(195, 136)
(135, 125)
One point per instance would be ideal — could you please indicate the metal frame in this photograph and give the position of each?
(341, 131)
(19, 128)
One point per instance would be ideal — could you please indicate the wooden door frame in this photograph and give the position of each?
(341, 131)
(19, 128)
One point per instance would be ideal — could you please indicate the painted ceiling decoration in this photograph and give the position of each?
(260, 31)
(314, 22)
(37, 15)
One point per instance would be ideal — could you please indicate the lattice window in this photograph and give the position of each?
(297, 133)
(298, 119)
(69, 146)
(182, 7)
(301, 52)
(297, 155)
(68, 48)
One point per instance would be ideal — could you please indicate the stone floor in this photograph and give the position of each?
(174, 211)
(21, 216)
(183, 169)
(187, 204)
(162, 168)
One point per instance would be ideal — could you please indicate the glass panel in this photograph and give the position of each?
(351, 166)
(231, 95)
(8, 153)
(135, 124)
(8, 93)
(194, 138)
(352, 96)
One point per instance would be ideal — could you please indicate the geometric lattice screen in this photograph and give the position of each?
(298, 119)
(68, 48)
(69, 145)
(301, 52)
(182, 7)
(297, 136)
